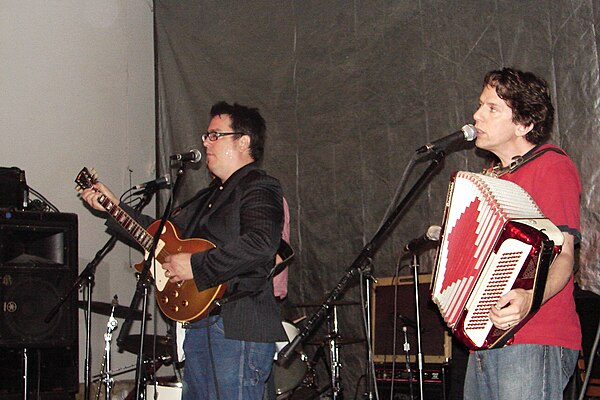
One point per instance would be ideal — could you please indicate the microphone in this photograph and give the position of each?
(283, 357)
(467, 132)
(156, 183)
(192, 156)
(432, 235)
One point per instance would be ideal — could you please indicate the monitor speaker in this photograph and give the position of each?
(38, 266)
(28, 294)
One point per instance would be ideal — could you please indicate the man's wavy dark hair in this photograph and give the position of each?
(247, 120)
(528, 97)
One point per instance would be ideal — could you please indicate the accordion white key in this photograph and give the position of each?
(494, 238)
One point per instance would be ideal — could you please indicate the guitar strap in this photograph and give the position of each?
(286, 253)
(517, 162)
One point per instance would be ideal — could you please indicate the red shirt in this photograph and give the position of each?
(553, 182)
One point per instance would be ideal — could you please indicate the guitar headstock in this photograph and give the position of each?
(85, 179)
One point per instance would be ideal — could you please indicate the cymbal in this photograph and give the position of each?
(164, 345)
(339, 341)
(333, 303)
(105, 309)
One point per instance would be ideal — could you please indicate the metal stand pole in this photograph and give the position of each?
(334, 354)
(370, 389)
(25, 369)
(418, 314)
(407, 363)
(107, 379)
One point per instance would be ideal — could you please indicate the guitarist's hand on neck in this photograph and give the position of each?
(91, 196)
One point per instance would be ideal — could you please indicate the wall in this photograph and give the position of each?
(77, 87)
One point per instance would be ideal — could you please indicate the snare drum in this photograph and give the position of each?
(165, 391)
(289, 376)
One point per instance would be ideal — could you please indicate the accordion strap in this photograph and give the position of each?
(517, 162)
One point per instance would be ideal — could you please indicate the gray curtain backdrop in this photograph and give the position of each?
(349, 90)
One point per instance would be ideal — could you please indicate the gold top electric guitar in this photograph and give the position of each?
(180, 301)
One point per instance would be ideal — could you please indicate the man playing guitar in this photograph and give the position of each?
(229, 353)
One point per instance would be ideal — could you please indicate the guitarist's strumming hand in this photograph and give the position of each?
(90, 196)
(178, 267)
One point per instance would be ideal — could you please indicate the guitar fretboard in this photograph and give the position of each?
(129, 224)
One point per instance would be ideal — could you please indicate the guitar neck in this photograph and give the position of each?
(134, 229)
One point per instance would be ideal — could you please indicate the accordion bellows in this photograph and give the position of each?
(494, 238)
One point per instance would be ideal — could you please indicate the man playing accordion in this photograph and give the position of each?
(514, 121)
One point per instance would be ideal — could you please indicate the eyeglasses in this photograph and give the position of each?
(213, 135)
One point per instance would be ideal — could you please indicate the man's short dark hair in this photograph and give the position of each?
(247, 120)
(529, 99)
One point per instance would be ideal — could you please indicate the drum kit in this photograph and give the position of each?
(297, 379)
(293, 380)
(157, 351)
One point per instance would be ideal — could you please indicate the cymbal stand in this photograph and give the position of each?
(335, 364)
(106, 361)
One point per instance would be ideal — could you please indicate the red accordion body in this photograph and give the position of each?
(494, 238)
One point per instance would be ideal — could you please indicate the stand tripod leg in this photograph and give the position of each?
(25, 373)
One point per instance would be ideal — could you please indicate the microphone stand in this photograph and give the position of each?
(419, 360)
(86, 279)
(143, 287)
(362, 266)
(407, 363)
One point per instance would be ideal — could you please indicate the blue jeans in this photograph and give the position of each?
(522, 371)
(236, 368)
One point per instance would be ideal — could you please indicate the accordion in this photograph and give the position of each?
(494, 239)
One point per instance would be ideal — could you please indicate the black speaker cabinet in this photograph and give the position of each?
(38, 264)
(52, 373)
(394, 299)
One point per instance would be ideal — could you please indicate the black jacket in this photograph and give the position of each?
(243, 217)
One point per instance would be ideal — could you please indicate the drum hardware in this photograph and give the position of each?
(333, 340)
(340, 341)
(336, 365)
(164, 346)
(107, 309)
(150, 368)
(167, 388)
(332, 303)
(151, 365)
(163, 350)
(309, 388)
(298, 320)
(164, 391)
(290, 375)
(107, 379)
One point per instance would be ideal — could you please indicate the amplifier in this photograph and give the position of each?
(432, 373)
(14, 192)
(394, 307)
(403, 381)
